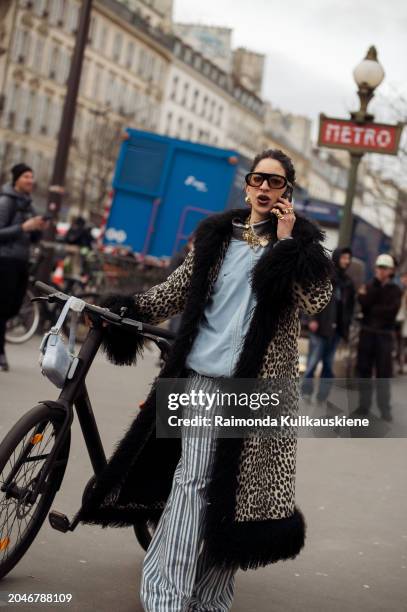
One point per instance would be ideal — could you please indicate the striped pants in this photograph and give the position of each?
(177, 573)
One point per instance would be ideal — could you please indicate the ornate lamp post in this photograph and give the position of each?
(368, 75)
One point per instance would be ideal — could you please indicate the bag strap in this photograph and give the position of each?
(76, 305)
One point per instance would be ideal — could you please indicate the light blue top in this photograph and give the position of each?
(228, 312)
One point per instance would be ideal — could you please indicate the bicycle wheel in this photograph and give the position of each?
(24, 325)
(144, 531)
(27, 445)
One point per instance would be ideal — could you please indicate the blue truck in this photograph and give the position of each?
(163, 187)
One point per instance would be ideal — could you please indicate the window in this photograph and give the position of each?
(29, 111)
(220, 112)
(41, 8)
(56, 12)
(189, 131)
(180, 126)
(212, 111)
(141, 62)
(101, 38)
(21, 46)
(195, 100)
(38, 115)
(197, 61)
(64, 66)
(23, 110)
(84, 77)
(168, 125)
(121, 95)
(96, 83)
(54, 61)
(11, 104)
(174, 87)
(204, 105)
(72, 16)
(117, 46)
(92, 33)
(158, 75)
(185, 94)
(129, 54)
(149, 66)
(109, 88)
(38, 53)
(54, 117)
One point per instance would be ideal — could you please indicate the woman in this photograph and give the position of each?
(227, 503)
(19, 226)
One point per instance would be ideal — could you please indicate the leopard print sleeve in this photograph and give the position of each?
(168, 298)
(313, 298)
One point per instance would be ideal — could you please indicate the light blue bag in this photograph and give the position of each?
(57, 360)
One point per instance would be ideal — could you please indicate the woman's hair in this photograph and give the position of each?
(279, 156)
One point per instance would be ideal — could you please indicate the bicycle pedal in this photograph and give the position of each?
(59, 521)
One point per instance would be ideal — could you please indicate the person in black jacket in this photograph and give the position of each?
(329, 326)
(380, 302)
(19, 226)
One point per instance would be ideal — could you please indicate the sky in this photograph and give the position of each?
(312, 47)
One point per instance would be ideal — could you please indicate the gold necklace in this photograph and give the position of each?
(252, 239)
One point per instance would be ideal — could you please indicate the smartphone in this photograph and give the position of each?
(46, 217)
(288, 194)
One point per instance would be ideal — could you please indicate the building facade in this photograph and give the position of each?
(136, 73)
(122, 83)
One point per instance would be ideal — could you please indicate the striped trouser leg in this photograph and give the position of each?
(176, 577)
(214, 588)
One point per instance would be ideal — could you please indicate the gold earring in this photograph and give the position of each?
(247, 200)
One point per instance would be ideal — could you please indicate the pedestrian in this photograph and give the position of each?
(78, 234)
(19, 226)
(380, 302)
(329, 327)
(401, 325)
(220, 503)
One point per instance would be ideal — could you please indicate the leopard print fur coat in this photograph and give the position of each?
(252, 517)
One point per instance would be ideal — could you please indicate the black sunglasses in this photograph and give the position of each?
(275, 181)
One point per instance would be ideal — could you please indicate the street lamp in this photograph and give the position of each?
(368, 75)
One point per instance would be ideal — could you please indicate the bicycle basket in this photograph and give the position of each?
(57, 360)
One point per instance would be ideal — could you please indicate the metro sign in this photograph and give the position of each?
(359, 137)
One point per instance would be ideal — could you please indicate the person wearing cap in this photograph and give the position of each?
(19, 226)
(329, 327)
(380, 302)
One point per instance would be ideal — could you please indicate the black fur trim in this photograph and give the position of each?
(121, 346)
(253, 544)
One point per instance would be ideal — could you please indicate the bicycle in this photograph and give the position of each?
(35, 452)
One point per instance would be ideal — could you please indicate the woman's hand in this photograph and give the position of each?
(283, 209)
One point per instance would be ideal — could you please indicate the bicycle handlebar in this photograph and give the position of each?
(106, 314)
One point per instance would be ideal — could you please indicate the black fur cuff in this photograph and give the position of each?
(121, 346)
